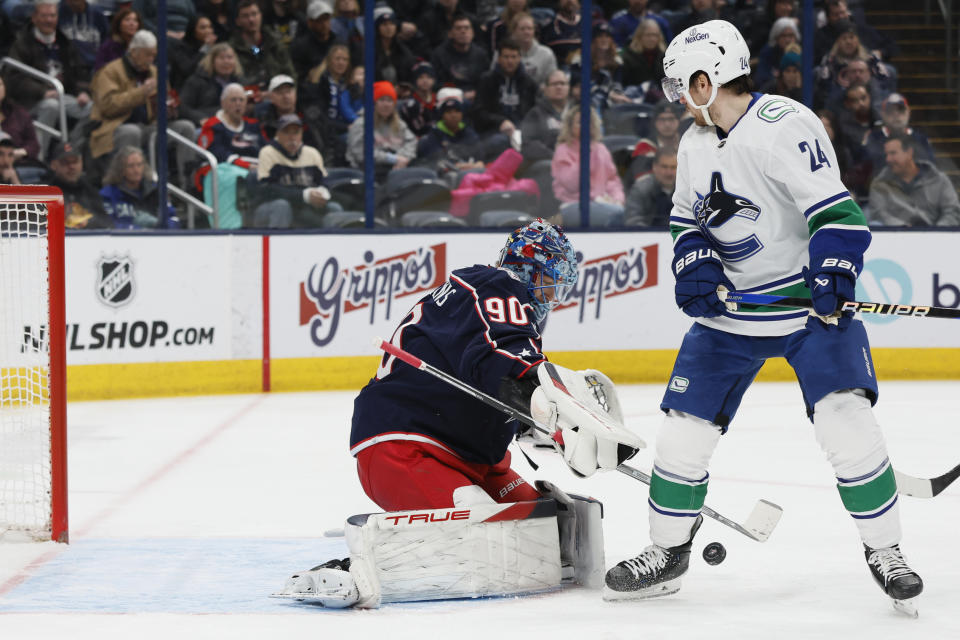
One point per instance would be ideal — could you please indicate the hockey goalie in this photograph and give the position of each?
(459, 521)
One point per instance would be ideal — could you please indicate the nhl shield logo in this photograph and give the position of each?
(115, 281)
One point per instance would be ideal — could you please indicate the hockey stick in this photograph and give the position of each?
(758, 526)
(880, 308)
(925, 487)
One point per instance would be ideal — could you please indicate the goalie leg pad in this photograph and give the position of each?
(678, 485)
(580, 522)
(854, 444)
(468, 552)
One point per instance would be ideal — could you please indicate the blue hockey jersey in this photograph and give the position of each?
(479, 327)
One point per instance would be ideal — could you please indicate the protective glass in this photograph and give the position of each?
(672, 89)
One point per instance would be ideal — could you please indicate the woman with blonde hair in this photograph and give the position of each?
(326, 105)
(643, 56)
(394, 145)
(200, 96)
(606, 188)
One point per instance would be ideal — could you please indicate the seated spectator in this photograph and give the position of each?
(43, 46)
(393, 61)
(394, 145)
(85, 26)
(650, 199)
(82, 203)
(626, 22)
(702, 11)
(499, 27)
(184, 55)
(124, 103)
(459, 61)
(419, 109)
(229, 135)
(759, 32)
(281, 101)
(200, 95)
(290, 176)
(542, 124)
(783, 34)
(850, 63)
(538, 60)
(283, 19)
(130, 195)
(643, 56)
(854, 169)
(895, 112)
(17, 123)
(327, 106)
(8, 173)
(310, 47)
(562, 35)
(258, 48)
(346, 26)
(604, 53)
(788, 81)
(665, 135)
(858, 115)
(837, 15)
(451, 145)
(179, 13)
(910, 192)
(505, 94)
(123, 25)
(437, 23)
(606, 189)
(221, 13)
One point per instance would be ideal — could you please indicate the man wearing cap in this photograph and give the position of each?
(8, 173)
(895, 113)
(310, 47)
(419, 109)
(460, 61)
(290, 175)
(452, 144)
(281, 101)
(911, 192)
(393, 61)
(258, 48)
(83, 204)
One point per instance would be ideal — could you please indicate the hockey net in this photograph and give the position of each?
(33, 483)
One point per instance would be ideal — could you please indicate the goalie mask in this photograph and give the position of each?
(542, 256)
(715, 48)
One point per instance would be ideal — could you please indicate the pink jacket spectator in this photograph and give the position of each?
(498, 176)
(605, 184)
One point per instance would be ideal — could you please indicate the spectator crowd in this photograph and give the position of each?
(476, 109)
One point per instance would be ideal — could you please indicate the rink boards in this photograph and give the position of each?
(198, 314)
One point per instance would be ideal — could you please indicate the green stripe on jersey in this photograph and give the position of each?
(871, 496)
(676, 496)
(846, 213)
(677, 229)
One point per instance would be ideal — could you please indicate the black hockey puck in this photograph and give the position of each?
(714, 553)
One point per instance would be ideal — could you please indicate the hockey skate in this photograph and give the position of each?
(655, 572)
(895, 577)
(329, 585)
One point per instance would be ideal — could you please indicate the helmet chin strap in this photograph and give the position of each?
(703, 109)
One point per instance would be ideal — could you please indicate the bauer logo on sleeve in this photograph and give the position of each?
(115, 281)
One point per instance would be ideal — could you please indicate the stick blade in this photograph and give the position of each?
(763, 520)
(913, 487)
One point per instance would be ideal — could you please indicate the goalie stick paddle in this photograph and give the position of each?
(879, 308)
(758, 526)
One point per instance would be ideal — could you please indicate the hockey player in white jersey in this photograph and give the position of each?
(759, 207)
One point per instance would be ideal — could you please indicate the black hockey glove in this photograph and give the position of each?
(699, 272)
(831, 281)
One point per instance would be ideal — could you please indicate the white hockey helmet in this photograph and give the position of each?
(716, 48)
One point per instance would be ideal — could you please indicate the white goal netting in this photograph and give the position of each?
(25, 444)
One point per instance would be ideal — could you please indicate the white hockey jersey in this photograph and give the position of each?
(766, 197)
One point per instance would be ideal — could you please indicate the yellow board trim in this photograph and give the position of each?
(141, 380)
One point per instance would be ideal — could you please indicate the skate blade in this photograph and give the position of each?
(328, 601)
(907, 607)
(656, 591)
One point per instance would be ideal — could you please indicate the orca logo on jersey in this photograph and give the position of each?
(717, 207)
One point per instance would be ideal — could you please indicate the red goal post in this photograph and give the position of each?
(33, 416)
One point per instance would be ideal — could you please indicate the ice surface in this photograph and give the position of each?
(186, 513)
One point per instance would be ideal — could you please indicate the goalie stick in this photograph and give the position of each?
(758, 526)
(880, 308)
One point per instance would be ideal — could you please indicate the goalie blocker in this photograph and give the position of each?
(465, 551)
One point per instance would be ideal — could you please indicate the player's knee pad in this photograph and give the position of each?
(579, 521)
(849, 433)
(685, 445)
(460, 552)
(471, 494)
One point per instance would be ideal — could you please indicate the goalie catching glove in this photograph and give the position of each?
(583, 411)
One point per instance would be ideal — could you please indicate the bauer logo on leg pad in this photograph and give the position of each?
(679, 384)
